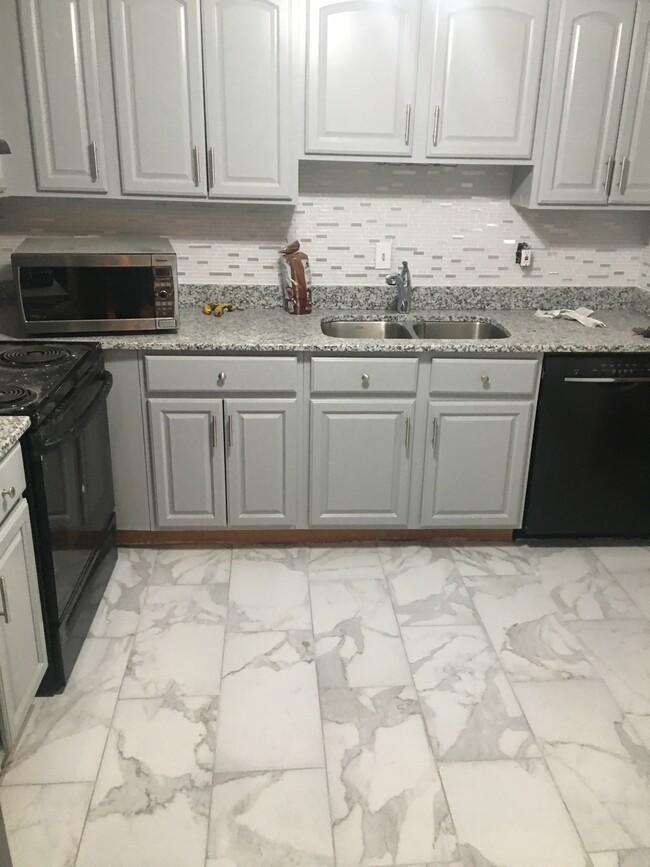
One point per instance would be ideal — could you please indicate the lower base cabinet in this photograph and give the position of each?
(475, 464)
(23, 657)
(360, 466)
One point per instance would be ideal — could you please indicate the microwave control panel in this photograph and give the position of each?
(164, 294)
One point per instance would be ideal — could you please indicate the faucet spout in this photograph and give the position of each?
(402, 281)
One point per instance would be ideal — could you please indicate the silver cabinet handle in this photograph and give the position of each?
(5, 601)
(215, 432)
(436, 125)
(609, 175)
(434, 434)
(229, 433)
(485, 379)
(625, 171)
(221, 378)
(8, 492)
(407, 129)
(365, 378)
(197, 166)
(94, 162)
(407, 435)
(210, 168)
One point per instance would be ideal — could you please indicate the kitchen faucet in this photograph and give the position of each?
(402, 280)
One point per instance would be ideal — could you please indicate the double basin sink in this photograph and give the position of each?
(431, 329)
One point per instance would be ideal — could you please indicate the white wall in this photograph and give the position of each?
(456, 227)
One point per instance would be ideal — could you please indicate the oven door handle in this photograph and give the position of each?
(595, 380)
(71, 432)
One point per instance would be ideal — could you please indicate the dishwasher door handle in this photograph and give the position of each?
(592, 380)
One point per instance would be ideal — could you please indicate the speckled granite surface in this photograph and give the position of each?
(274, 330)
(12, 427)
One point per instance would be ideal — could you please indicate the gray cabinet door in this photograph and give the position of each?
(632, 183)
(592, 53)
(23, 658)
(485, 76)
(475, 463)
(246, 49)
(361, 69)
(187, 451)
(262, 462)
(62, 77)
(360, 462)
(157, 73)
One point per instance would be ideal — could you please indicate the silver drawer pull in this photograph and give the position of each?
(8, 492)
(407, 127)
(94, 161)
(5, 601)
(214, 432)
(221, 378)
(197, 166)
(229, 433)
(485, 379)
(407, 435)
(436, 125)
(434, 434)
(625, 170)
(365, 378)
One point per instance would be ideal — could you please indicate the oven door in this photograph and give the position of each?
(78, 483)
(87, 294)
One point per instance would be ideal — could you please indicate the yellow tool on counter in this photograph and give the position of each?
(217, 309)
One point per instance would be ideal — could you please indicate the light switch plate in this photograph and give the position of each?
(382, 255)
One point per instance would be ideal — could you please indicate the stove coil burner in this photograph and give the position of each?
(34, 355)
(15, 396)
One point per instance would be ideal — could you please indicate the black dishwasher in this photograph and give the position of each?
(590, 466)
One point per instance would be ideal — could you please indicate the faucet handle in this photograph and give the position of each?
(391, 279)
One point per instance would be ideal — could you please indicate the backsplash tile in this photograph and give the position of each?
(455, 226)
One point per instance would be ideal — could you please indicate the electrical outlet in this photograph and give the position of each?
(382, 255)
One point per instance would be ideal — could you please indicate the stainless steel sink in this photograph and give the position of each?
(452, 330)
(432, 329)
(378, 329)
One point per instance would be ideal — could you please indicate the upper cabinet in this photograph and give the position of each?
(157, 71)
(596, 112)
(361, 73)
(247, 68)
(487, 57)
(62, 79)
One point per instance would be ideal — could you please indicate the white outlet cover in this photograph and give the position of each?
(382, 254)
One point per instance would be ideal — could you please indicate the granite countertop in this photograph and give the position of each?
(12, 427)
(273, 330)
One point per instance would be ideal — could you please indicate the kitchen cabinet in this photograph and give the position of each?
(62, 78)
(247, 69)
(487, 57)
(157, 71)
(188, 462)
(361, 452)
(23, 657)
(361, 76)
(475, 464)
(261, 466)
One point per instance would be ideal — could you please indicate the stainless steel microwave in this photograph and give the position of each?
(92, 285)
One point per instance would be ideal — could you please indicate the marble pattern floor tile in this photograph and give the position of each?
(274, 598)
(427, 588)
(596, 759)
(271, 819)
(623, 558)
(44, 823)
(119, 610)
(637, 586)
(509, 814)
(495, 560)
(151, 803)
(357, 639)
(624, 858)
(345, 563)
(387, 804)
(270, 718)
(64, 737)
(524, 626)
(469, 707)
(193, 566)
(580, 586)
(179, 643)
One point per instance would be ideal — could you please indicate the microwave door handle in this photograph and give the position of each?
(72, 432)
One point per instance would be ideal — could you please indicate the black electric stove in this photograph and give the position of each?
(63, 387)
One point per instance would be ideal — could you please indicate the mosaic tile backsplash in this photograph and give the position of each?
(455, 226)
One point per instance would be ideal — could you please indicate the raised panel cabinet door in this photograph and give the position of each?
(23, 657)
(632, 181)
(262, 462)
(246, 55)
(157, 73)
(360, 462)
(475, 463)
(62, 78)
(586, 96)
(187, 452)
(485, 77)
(361, 69)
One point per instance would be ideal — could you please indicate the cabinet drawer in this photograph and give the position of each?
(12, 478)
(482, 376)
(222, 375)
(364, 375)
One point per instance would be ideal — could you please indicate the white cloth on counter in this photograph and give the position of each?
(580, 314)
